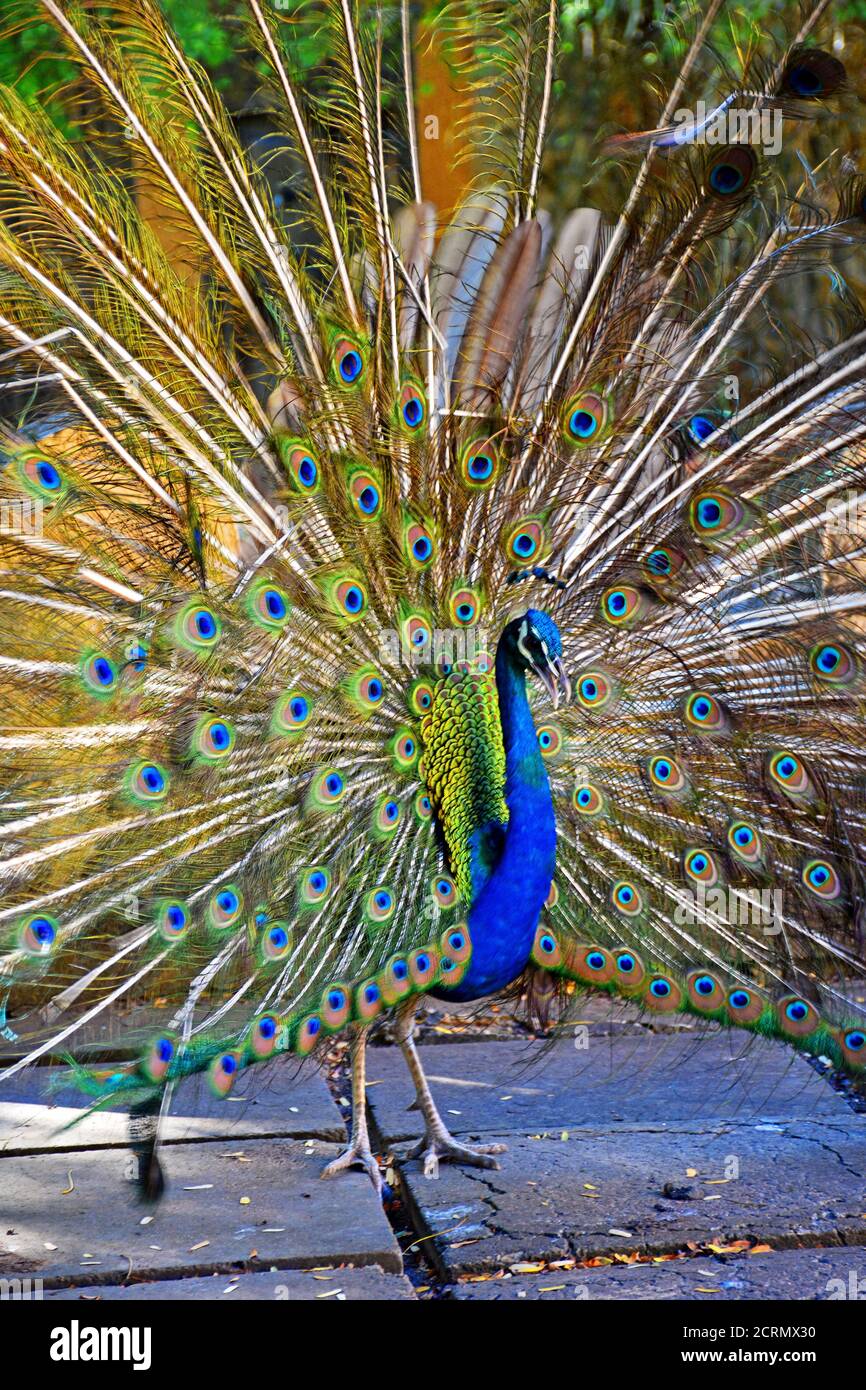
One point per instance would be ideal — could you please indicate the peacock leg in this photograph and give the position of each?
(358, 1154)
(437, 1146)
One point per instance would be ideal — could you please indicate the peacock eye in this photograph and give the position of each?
(302, 465)
(700, 427)
(147, 782)
(37, 936)
(412, 406)
(213, 739)
(731, 172)
(348, 362)
(42, 476)
(479, 463)
(100, 674)
(585, 417)
(268, 606)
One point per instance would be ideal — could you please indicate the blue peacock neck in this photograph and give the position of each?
(504, 917)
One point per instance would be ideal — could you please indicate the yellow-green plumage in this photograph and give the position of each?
(464, 766)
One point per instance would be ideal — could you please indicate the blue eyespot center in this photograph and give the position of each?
(333, 783)
(709, 512)
(740, 999)
(307, 471)
(267, 1028)
(422, 963)
(797, 1011)
(400, 970)
(660, 988)
(275, 603)
(547, 944)
(353, 599)
(705, 984)
(480, 467)
(413, 412)
(855, 1040)
(351, 366)
(595, 960)
(336, 1000)
(368, 500)
(700, 428)
(227, 901)
(278, 937)
(48, 475)
(205, 624)
(422, 548)
(371, 994)
(625, 963)
(583, 424)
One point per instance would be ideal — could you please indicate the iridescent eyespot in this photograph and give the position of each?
(730, 173)
(423, 966)
(387, 816)
(351, 598)
(417, 632)
(585, 418)
(328, 788)
(198, 627)
(37, 935)
(404, 749)
(172, 920)
(834, 664)
(662, 564)
(745, 842)
(627, 898)
(662, 995)
(335, 1007)
(418, 545)
(455, 944)
(623, 605)
(464, 606)
(292, 713)
(158, 1057)
(41, 476)
(546, 950)
(99, 673)
(308, 1033)
(812, 74)
(423, 806)
(717, 515)
(796, 1016)
(268, 605)
(667, 776)
(701, 867)
(302, 465)
(526, 541)
(479, 463)
(699, 428)
(146, 782)
(788, 772)
(365, 494)
(225, 908)
(368, 1000)
(594, 690)
(854, 1042)
(379, 904)
(745, 1005)
(705, 714)
(275, 943)
(550, 741)
(265, 1035)
(588, 800)
(705, 992)
(213, 739)
(444, 890)
(412, 406)
(223, 1072)
(821, 878)
(315, 885)
(349, 362)
(420, 697)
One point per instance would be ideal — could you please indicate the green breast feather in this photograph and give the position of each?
(464, 768)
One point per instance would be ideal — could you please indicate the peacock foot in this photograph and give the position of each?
(438, 1146)
(356, 1156)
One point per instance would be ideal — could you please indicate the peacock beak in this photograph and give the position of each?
(553, 676)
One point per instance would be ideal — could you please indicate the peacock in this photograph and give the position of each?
(400, 602)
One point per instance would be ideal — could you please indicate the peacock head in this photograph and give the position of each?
(536, 645)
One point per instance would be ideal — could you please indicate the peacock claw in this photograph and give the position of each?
(360, 1156)
(434, 1149)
